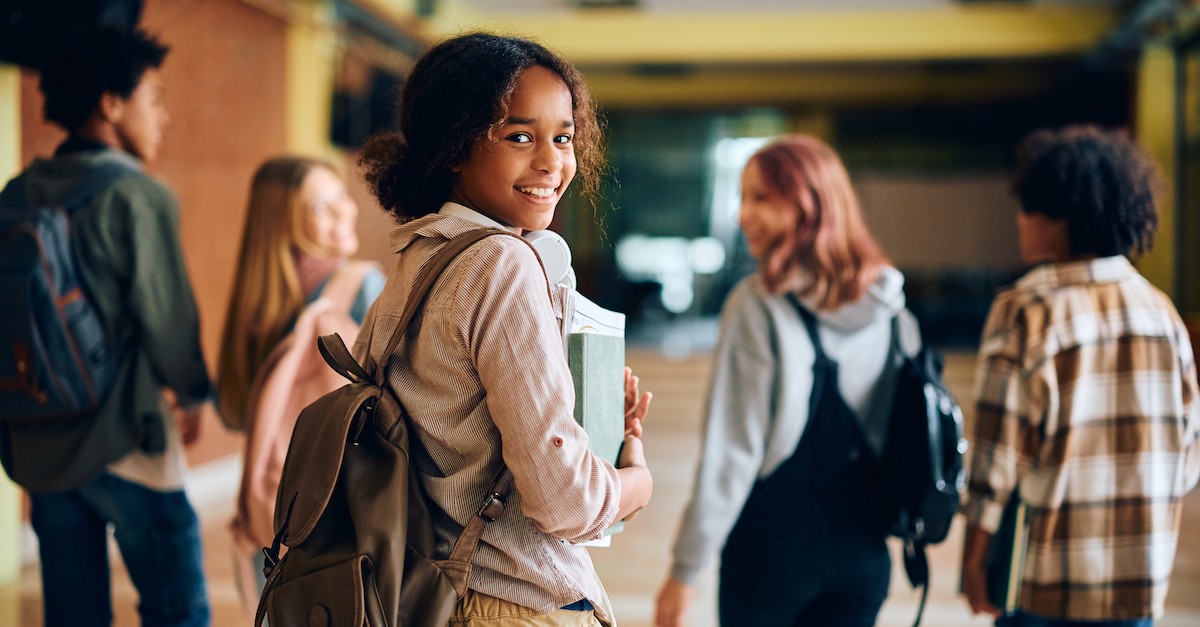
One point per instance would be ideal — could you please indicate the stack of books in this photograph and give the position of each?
(595, 345)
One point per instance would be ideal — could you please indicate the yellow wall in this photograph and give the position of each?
(1154, 123)
(10, 497)
(633, 36)
(311, 54)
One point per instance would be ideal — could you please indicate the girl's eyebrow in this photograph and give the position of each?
(530, 121)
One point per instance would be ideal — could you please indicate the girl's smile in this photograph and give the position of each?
(518, 173)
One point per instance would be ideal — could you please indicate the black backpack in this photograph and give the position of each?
(921, 475)
(57, 360)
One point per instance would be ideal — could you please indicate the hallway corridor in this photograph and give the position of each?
(635, 565)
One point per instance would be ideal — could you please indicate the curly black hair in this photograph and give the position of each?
(90, 60)
(1099, 181)
(456, 93)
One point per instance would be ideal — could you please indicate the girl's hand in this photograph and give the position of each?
(672, 603)
(631, 452)
(636, 482)
(636, 405)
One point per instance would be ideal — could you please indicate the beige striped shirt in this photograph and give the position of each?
(1087, 397)
(488, 366)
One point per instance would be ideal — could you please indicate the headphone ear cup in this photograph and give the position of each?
(555, 254)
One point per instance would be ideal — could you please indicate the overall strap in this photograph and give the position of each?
(810, 325)
(897, 348)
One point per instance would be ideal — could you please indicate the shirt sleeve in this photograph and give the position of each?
(160, 296)
(1191, 408)
(514, 337)
(1003, 410)
(737, 418)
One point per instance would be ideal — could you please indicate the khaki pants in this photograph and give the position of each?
(481, 610)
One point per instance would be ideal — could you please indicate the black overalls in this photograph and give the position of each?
(803, 551)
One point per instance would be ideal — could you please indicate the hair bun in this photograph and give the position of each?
(382, 159)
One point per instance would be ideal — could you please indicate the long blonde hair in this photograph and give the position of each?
(831, 241)
(266, 295)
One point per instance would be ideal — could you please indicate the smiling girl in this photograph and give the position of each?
(493, 131)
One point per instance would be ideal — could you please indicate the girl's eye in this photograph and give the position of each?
(520, 138)
(562, 139)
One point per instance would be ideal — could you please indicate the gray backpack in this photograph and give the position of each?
(57, 361)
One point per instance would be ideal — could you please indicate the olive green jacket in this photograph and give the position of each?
(127, 250)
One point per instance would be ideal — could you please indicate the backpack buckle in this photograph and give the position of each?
(269, 561)
(492, 508)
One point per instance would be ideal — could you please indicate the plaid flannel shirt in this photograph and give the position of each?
(1087, 398)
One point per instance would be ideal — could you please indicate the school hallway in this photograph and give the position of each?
(634, 567)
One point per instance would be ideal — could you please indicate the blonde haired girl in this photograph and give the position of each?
(300, 228)
(293, 282)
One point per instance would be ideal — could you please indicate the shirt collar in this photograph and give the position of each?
(451, 220)
(79, 143)
(1101, 270)
(467, 213)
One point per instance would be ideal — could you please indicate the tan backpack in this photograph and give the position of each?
(351, 511)
(292, 376)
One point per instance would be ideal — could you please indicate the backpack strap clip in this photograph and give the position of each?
(493, 507)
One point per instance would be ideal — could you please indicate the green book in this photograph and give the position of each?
(1006, 555)
(597, 365)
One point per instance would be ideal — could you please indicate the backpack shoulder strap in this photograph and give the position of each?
(424, 283)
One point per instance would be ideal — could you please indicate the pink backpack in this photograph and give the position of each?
(293, 375)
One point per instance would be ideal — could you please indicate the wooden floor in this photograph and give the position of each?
(634, 567)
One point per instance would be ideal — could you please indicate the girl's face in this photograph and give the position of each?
(764, 216)
(518, 174)
(330, 215)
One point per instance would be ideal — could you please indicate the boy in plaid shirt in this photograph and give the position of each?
(1086, 395)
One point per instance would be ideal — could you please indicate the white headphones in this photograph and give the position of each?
(555, 254)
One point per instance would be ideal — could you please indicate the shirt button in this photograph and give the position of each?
(558, 441)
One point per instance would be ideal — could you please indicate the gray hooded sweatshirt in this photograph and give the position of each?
(758, 397)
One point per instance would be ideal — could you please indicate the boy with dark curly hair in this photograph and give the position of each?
(123, 464)
(1086, 396)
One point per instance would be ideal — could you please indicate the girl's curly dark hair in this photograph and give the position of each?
(456, 92)
(1099, 181)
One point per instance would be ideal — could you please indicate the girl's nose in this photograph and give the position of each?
(346, 208)
(547, 158)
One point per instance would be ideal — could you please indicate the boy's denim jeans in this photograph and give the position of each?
(1021, 619)
(159, 539)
